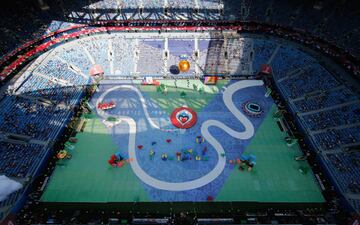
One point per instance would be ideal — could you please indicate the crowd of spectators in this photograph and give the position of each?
(328, 111)
(28, 117)
(334, 138)
(300, 78)
(325, 99)
(123, 53)
(98, 48)
(345, 169)
(334, 21)
(346, 115)
(151, 57)
(154, 4)
(38, 110)
(15, 27)
(310, 88)
(124, 56)
(20, 160)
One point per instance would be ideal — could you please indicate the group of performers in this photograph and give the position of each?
(183, 155)
(249, 161)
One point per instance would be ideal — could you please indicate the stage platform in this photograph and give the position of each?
(212, 183)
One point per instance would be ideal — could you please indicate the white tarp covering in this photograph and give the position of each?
(7, 186)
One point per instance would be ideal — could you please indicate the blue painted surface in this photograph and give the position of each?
(179, 171)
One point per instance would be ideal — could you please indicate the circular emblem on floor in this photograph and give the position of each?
(252, 109)
(183, 117)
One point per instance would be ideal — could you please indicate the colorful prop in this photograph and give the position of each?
(129, 160)
(249, 160)
(290, 141)
(162, 89)
(111, 119)
(106, 105)
(302, 157)
(183, 117)
(204, 150)
(69, 146)
(252, 109)
(199, 139)
(152, 154)
(186, 157)
(63, 154)
(174, 69)
(164, 156)
(183, 94)
(184, 66)
(266, 69)
(118, 156)
(268, 92)
(96, 70)
(73, 140)
(210, 80)
(150, 81)
(303, 170)
(117, 160)
(178, 156)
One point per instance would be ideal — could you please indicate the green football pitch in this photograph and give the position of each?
(87, 178)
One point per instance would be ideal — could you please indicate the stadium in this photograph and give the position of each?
(179, 112)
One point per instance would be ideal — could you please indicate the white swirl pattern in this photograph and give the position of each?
(219, 167)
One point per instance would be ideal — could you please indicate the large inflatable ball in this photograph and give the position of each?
(184, 66)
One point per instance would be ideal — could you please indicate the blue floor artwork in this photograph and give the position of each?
(183, 164)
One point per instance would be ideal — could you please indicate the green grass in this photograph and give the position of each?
(276, 176)
(192, 100)
(87, 177)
